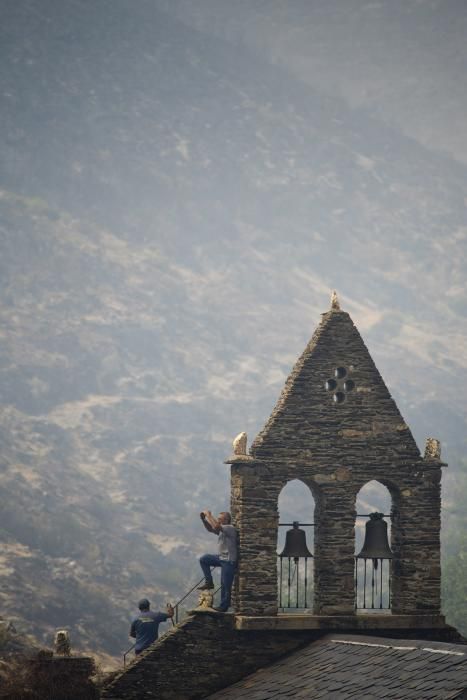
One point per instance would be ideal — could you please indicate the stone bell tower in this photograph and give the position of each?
(336, 427)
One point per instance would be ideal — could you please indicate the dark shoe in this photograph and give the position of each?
(206, 586)
(221, 610)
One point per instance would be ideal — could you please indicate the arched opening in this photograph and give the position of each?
(373, 555)
(295, 547)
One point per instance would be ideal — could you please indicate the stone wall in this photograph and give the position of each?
(206, 653)
(48, 676)
(202, 654)
(336, 447)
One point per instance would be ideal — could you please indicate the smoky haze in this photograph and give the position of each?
(182, 185)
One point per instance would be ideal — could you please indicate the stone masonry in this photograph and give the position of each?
(202, 654)
(336, 427)
(207, 652)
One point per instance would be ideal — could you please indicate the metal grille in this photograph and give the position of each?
(295, 582)
(372, 584)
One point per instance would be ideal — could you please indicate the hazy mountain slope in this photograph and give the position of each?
(174, 213)
(405, 60)
(88, 506)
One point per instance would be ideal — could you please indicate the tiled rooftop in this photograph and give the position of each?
(338, 667)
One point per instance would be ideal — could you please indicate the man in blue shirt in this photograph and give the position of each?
(145, 627)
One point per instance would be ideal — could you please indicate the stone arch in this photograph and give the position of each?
(382, 496)
(393, 507)
(296, 502)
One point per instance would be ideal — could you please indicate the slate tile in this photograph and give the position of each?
(328, 670)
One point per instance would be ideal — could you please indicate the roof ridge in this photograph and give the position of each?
(398, 647)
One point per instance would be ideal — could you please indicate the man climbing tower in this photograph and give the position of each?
(226, 558)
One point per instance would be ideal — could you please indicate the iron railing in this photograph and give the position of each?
(294, 586)
(182, 600)
(127, 652)
(295, 590)
(373, 587)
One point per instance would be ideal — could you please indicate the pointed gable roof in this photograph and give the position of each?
(335, 403)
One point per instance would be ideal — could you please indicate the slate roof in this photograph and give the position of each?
(338, 667)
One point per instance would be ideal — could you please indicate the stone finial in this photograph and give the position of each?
(239, 444)
(335, 306)
(205, 599)
(62, 643)
(432, 449)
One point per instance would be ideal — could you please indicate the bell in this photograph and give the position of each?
(295, 544)
(376, 545)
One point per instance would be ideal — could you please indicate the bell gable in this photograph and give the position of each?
(335, 404)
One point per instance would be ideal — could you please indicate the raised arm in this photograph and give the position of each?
(210, 522)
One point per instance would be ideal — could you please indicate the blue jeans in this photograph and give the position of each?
(227, 575)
